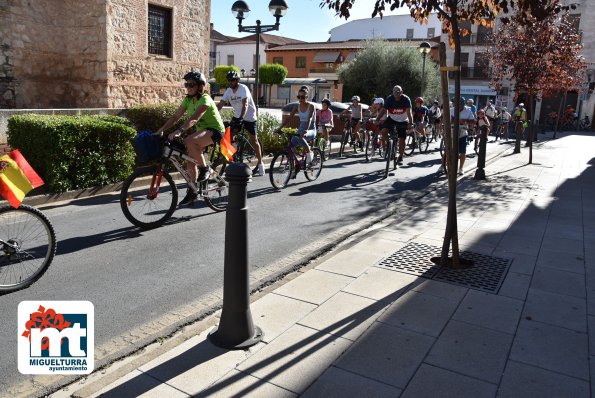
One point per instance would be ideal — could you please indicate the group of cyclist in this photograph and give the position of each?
(205, 124)
(393, 113)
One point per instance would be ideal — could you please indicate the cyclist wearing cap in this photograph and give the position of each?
(244, 113)
(435, 116)
(398, 108)
(204, 122)
(324, 119)
(355, 109)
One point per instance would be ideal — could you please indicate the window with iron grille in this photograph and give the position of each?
(160, 24)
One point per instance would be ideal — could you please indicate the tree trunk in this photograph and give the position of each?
(530, 133)
(451, 234)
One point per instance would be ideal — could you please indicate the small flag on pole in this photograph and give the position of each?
(17, 178)
(227, 149)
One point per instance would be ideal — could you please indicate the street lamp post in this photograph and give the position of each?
(424, 49)
(240, 10)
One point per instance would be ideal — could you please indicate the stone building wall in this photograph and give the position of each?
(134, 76)
(93, 53)
(56, 53)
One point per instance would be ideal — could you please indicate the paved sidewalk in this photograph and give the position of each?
(350, 327)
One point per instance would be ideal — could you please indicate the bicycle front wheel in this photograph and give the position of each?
(424, 143)
(369, 148)
(28, 246)
(389, 154)
(326, 150)
(215, 192)
(280, 170)
(148, 197)
(410, 144)
(313, 171)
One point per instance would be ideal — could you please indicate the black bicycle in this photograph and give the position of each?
(28, 246)
(149, 195)
(390, 154)
(246, 153)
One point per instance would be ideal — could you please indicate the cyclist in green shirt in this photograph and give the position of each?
(204, 122)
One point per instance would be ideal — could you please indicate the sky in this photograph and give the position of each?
(304, 20)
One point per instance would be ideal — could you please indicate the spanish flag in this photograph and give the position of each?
(16, 178)
(227, 149)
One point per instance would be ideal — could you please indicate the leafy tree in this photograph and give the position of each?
(451, 13)
(380, 65)
(272, 74)
(552, 47)
(220, 74)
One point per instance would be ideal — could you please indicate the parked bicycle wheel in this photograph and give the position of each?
(410, 144)
(148, 197)
(28, 247)
(280, 170)
(315, 168)
(216, 192)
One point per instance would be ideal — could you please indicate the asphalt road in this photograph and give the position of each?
(141, 281)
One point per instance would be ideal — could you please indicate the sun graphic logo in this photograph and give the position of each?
(56, 337)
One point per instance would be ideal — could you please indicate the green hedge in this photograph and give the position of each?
(151, 117)
(73, 152)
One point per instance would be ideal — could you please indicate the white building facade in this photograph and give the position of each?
(389, 27)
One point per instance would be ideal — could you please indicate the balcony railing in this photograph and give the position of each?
(473, 73)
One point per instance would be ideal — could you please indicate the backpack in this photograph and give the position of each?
(147, 146)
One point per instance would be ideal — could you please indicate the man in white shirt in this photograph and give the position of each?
(244, 113)
(466, 118)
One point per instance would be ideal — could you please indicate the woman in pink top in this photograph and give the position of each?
(324, 117)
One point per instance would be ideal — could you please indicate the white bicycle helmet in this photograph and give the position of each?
(355, 98)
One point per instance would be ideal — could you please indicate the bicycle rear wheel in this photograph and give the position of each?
(410, 143)
(28, 247)
(215, 192)
(246, 151)
(148, 197)
(280, 170)
(315, 168)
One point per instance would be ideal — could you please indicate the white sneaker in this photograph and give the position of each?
(260, 171)
(461, 171)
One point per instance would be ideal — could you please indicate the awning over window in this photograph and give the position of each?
(326, 56)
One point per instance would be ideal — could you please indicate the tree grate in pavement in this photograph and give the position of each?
(486, 274)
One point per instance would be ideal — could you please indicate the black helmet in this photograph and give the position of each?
(232, 75)
(326, 101)
(196, 76)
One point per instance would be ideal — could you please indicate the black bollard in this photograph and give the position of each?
(480, 173)
(236, 329)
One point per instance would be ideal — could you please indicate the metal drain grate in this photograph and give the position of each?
(413, 258)
(487, 273)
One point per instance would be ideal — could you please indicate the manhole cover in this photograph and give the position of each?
(487, 273)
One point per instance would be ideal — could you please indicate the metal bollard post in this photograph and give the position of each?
(480, 173)
(236, 329)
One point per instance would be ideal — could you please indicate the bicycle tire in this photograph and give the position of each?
(215, 192)
(394, 154)
(29, 249)
(313, 172)
(369, 147)
(246, 151)
(410, 142)
(326, 152)
(281, 170)
(142, 209)
(389, 154)
(424, 143)
(344, 137)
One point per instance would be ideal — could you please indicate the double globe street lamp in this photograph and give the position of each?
(424, 49)
(240, 10)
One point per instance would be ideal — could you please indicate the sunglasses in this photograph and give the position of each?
(190, 85)
(301, 96)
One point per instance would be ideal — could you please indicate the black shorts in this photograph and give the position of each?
(250, 127)
(216, 135)
(354, 121)
(401, 127)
